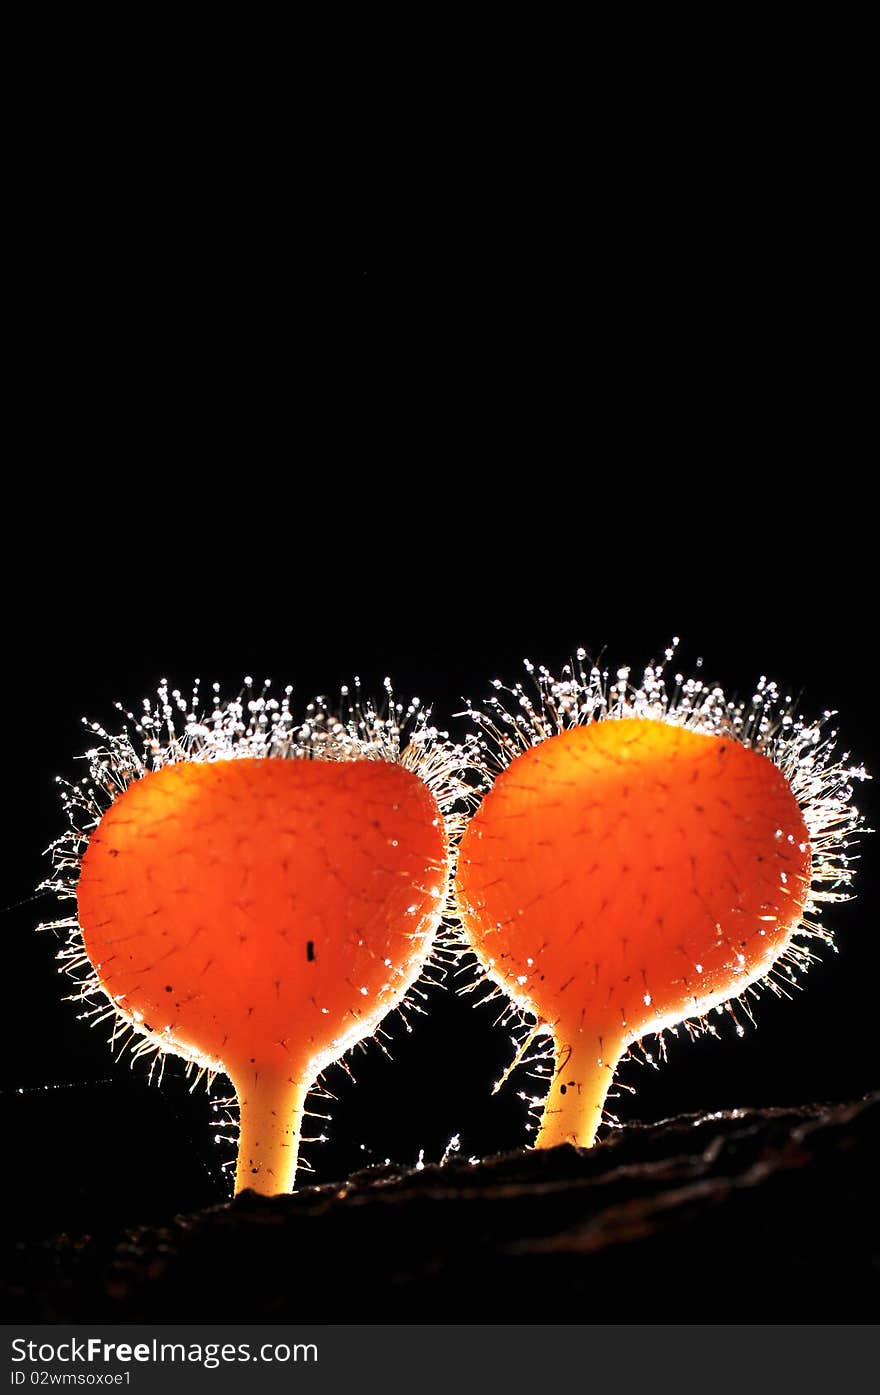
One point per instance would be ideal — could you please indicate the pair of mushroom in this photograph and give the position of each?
(255, 896)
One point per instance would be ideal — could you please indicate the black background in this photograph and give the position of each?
(429, 467)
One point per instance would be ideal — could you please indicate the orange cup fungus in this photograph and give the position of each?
(262, 897)
(637, 863)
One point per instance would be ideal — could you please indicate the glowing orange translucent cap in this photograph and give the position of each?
(262, 916)
(622, 876)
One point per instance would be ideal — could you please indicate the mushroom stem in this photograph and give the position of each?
(271, 1109)
(585, 1066)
